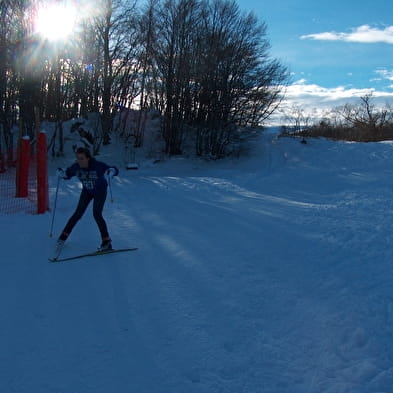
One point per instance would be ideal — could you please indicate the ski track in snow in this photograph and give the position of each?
(270, 274)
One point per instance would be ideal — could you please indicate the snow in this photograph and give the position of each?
(270, 273)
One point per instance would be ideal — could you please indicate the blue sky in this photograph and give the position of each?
(336, 50)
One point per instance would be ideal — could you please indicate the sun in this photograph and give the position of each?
(56, 21)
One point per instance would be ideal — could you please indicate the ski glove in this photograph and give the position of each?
(111, 172)
(61, 173)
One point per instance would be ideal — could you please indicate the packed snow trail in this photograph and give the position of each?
(269, 274)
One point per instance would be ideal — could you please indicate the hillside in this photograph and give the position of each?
(269, 273)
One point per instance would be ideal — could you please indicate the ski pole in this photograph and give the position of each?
(54, 208)
(110, 188)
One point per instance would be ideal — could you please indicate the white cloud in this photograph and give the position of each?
(316, 101)
(311, 96)
(302, 90)
(385, 74)
(363, 34)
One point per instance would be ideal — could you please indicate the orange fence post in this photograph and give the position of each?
(42, 175)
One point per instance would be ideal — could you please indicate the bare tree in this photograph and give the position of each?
(215, 70)
(297, 119)
(238, 83)
(5, 90)
(174, 61)
(112, 53)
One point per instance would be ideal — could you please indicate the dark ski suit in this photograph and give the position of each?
(94, 187)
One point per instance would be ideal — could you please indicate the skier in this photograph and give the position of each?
(92, 175)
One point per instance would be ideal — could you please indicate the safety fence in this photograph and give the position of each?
(24, 178)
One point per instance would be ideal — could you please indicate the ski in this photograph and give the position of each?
(92, 254)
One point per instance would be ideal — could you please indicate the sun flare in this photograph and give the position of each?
(56, 22)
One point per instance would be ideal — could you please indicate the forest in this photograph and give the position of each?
(203, 65)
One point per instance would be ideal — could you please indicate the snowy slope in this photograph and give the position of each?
(266, 274)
